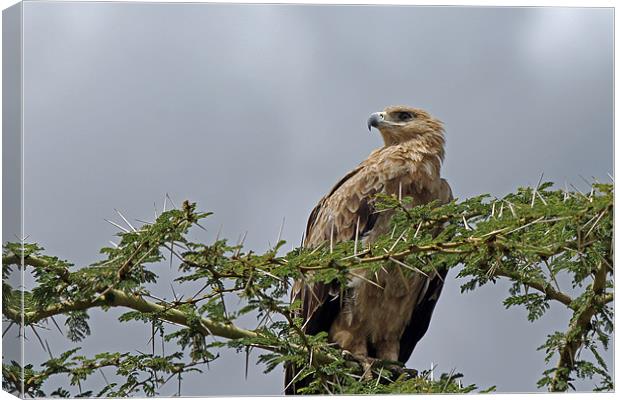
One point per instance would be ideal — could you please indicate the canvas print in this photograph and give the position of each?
(275, 199)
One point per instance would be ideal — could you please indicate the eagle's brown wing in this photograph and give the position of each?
(334, 219)
(423, 310)
(320, 303)
(421, 316)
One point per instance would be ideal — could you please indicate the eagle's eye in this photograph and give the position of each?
(404, 116)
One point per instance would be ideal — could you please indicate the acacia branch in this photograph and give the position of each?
(111, 297)
(118, 298)
(578, 329)
(500, 252)
(456, 247)
(547, 290)
(14, 259)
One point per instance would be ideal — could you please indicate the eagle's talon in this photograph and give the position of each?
(365, 362)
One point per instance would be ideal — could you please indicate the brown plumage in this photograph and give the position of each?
(384, 322)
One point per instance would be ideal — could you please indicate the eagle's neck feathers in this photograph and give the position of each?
(423, 149)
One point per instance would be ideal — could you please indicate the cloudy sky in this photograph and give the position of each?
(254, 111)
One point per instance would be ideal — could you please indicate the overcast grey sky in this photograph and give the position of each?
(255, 111)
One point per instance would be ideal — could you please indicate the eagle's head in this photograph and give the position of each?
(399, 124)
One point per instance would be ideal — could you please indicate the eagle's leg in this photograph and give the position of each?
(349, 335)
(353, 342)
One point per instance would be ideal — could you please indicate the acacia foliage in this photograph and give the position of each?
(530, 237)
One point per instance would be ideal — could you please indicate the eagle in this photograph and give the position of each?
(384, 318)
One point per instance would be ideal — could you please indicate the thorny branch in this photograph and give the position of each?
(568, 233)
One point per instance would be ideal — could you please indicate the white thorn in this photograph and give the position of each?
(541, 198)
(116, 225)
(243, 238)
(536, 189)
(540, 180)
(415, 235)
(512, 210)
(125, 219)
(219, 231)
(408, 266)
(398, 240)
(467, 227)
(331, 237)
(281, 229)
(357, 230)
(171, 202)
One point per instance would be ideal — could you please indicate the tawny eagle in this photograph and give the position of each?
(386, 320)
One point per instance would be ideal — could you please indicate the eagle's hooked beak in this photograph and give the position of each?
(375, 120)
